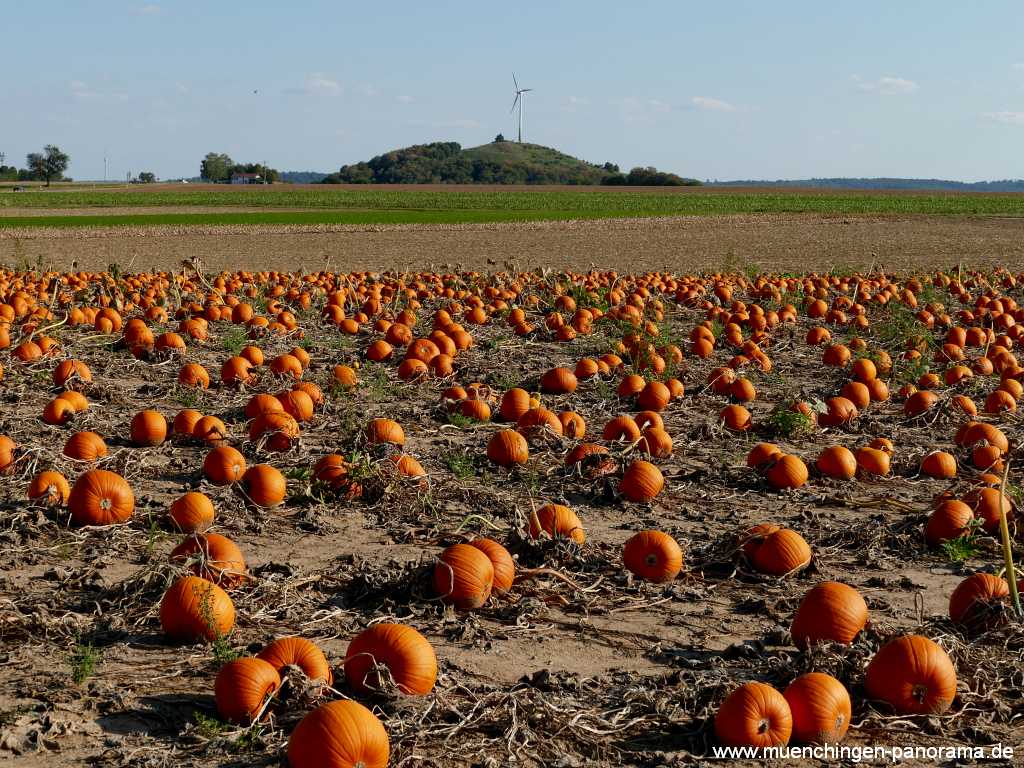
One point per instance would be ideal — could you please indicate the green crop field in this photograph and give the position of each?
(327, 205)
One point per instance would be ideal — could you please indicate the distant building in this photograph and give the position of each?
(246, 178)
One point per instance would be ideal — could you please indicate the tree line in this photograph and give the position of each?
(219, 167)
(48, 165)
(447, 163)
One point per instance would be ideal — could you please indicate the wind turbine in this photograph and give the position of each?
(521, 101)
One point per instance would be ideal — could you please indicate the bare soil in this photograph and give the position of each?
(773, 243)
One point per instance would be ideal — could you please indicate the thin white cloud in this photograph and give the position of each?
(368, 90)
(181, 88)
(659, 106)
(712, 105)
(886, 86)
(150, 9)
(83, 92)
(577, 101)
(1007, 118)
(1019, 66)
(405, 98)
(317, 84)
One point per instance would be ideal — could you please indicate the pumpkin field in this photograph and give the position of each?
(507, 518)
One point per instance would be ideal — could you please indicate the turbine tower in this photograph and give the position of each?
(521, 101)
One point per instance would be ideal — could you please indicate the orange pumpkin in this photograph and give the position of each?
(100, 497)
(653, 556)
(299, 652)
(339, 734)
(754, 715)
(913, 675)
(641, 481)
(463, 576)
(391, 652)
(501, 561)
(242, 689)
(192, 513)
(831, 611)
(264, 485)
(194, 609)
(148, 428)
(224, 465)
(821, 708)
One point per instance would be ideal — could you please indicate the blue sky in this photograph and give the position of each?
(711, 90)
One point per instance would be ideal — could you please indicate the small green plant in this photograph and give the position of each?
(154, 534)
(250, 740)
(188, 396)
(460, 421)
(223, 652)
(208, 727)
(786, 422)
(234, 341)
(960, 549)
(460, 465)
(83, 659)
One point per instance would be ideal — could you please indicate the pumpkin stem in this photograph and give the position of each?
(919, 692)
(763, 725)
(1004, 532)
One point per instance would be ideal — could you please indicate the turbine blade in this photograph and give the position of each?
(514, 104)
(514, 80)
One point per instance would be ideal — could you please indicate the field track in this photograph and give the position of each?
(793, 242)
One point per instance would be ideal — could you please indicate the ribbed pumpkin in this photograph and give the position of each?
(989, 504)
(831, 611)
(821, 708)
(224, 465)
(913, 675)
(655, 396)
(939, 464)
(508, 448)
(502, 562)
(85, 446)
(762, 454)
(339, 734)
(514, 403)
(148, 428)
(195, 609)
(653, 556)
(973, 601)
(655, 441)
(262, 403)
(277, 431)
(50, 488)
(463, 576)
(214, 557)
(558, 522)
(951, 519)
(100, 497)
(839, 411)
(837, 462)
(558, 381)
(786, 472)
(185, 422)
(754, 715)
(736, 418)
(385, 431)
(299, 652)
(242, 688)
(782, 552)
(264, 485)
(641, 481)
(210, 430)
(873, 461)
(408, 657)
(192, 513)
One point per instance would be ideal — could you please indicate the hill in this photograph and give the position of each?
(935, 185)
(500, 162)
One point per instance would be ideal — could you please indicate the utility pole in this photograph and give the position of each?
(3, 156)
(104, 165)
